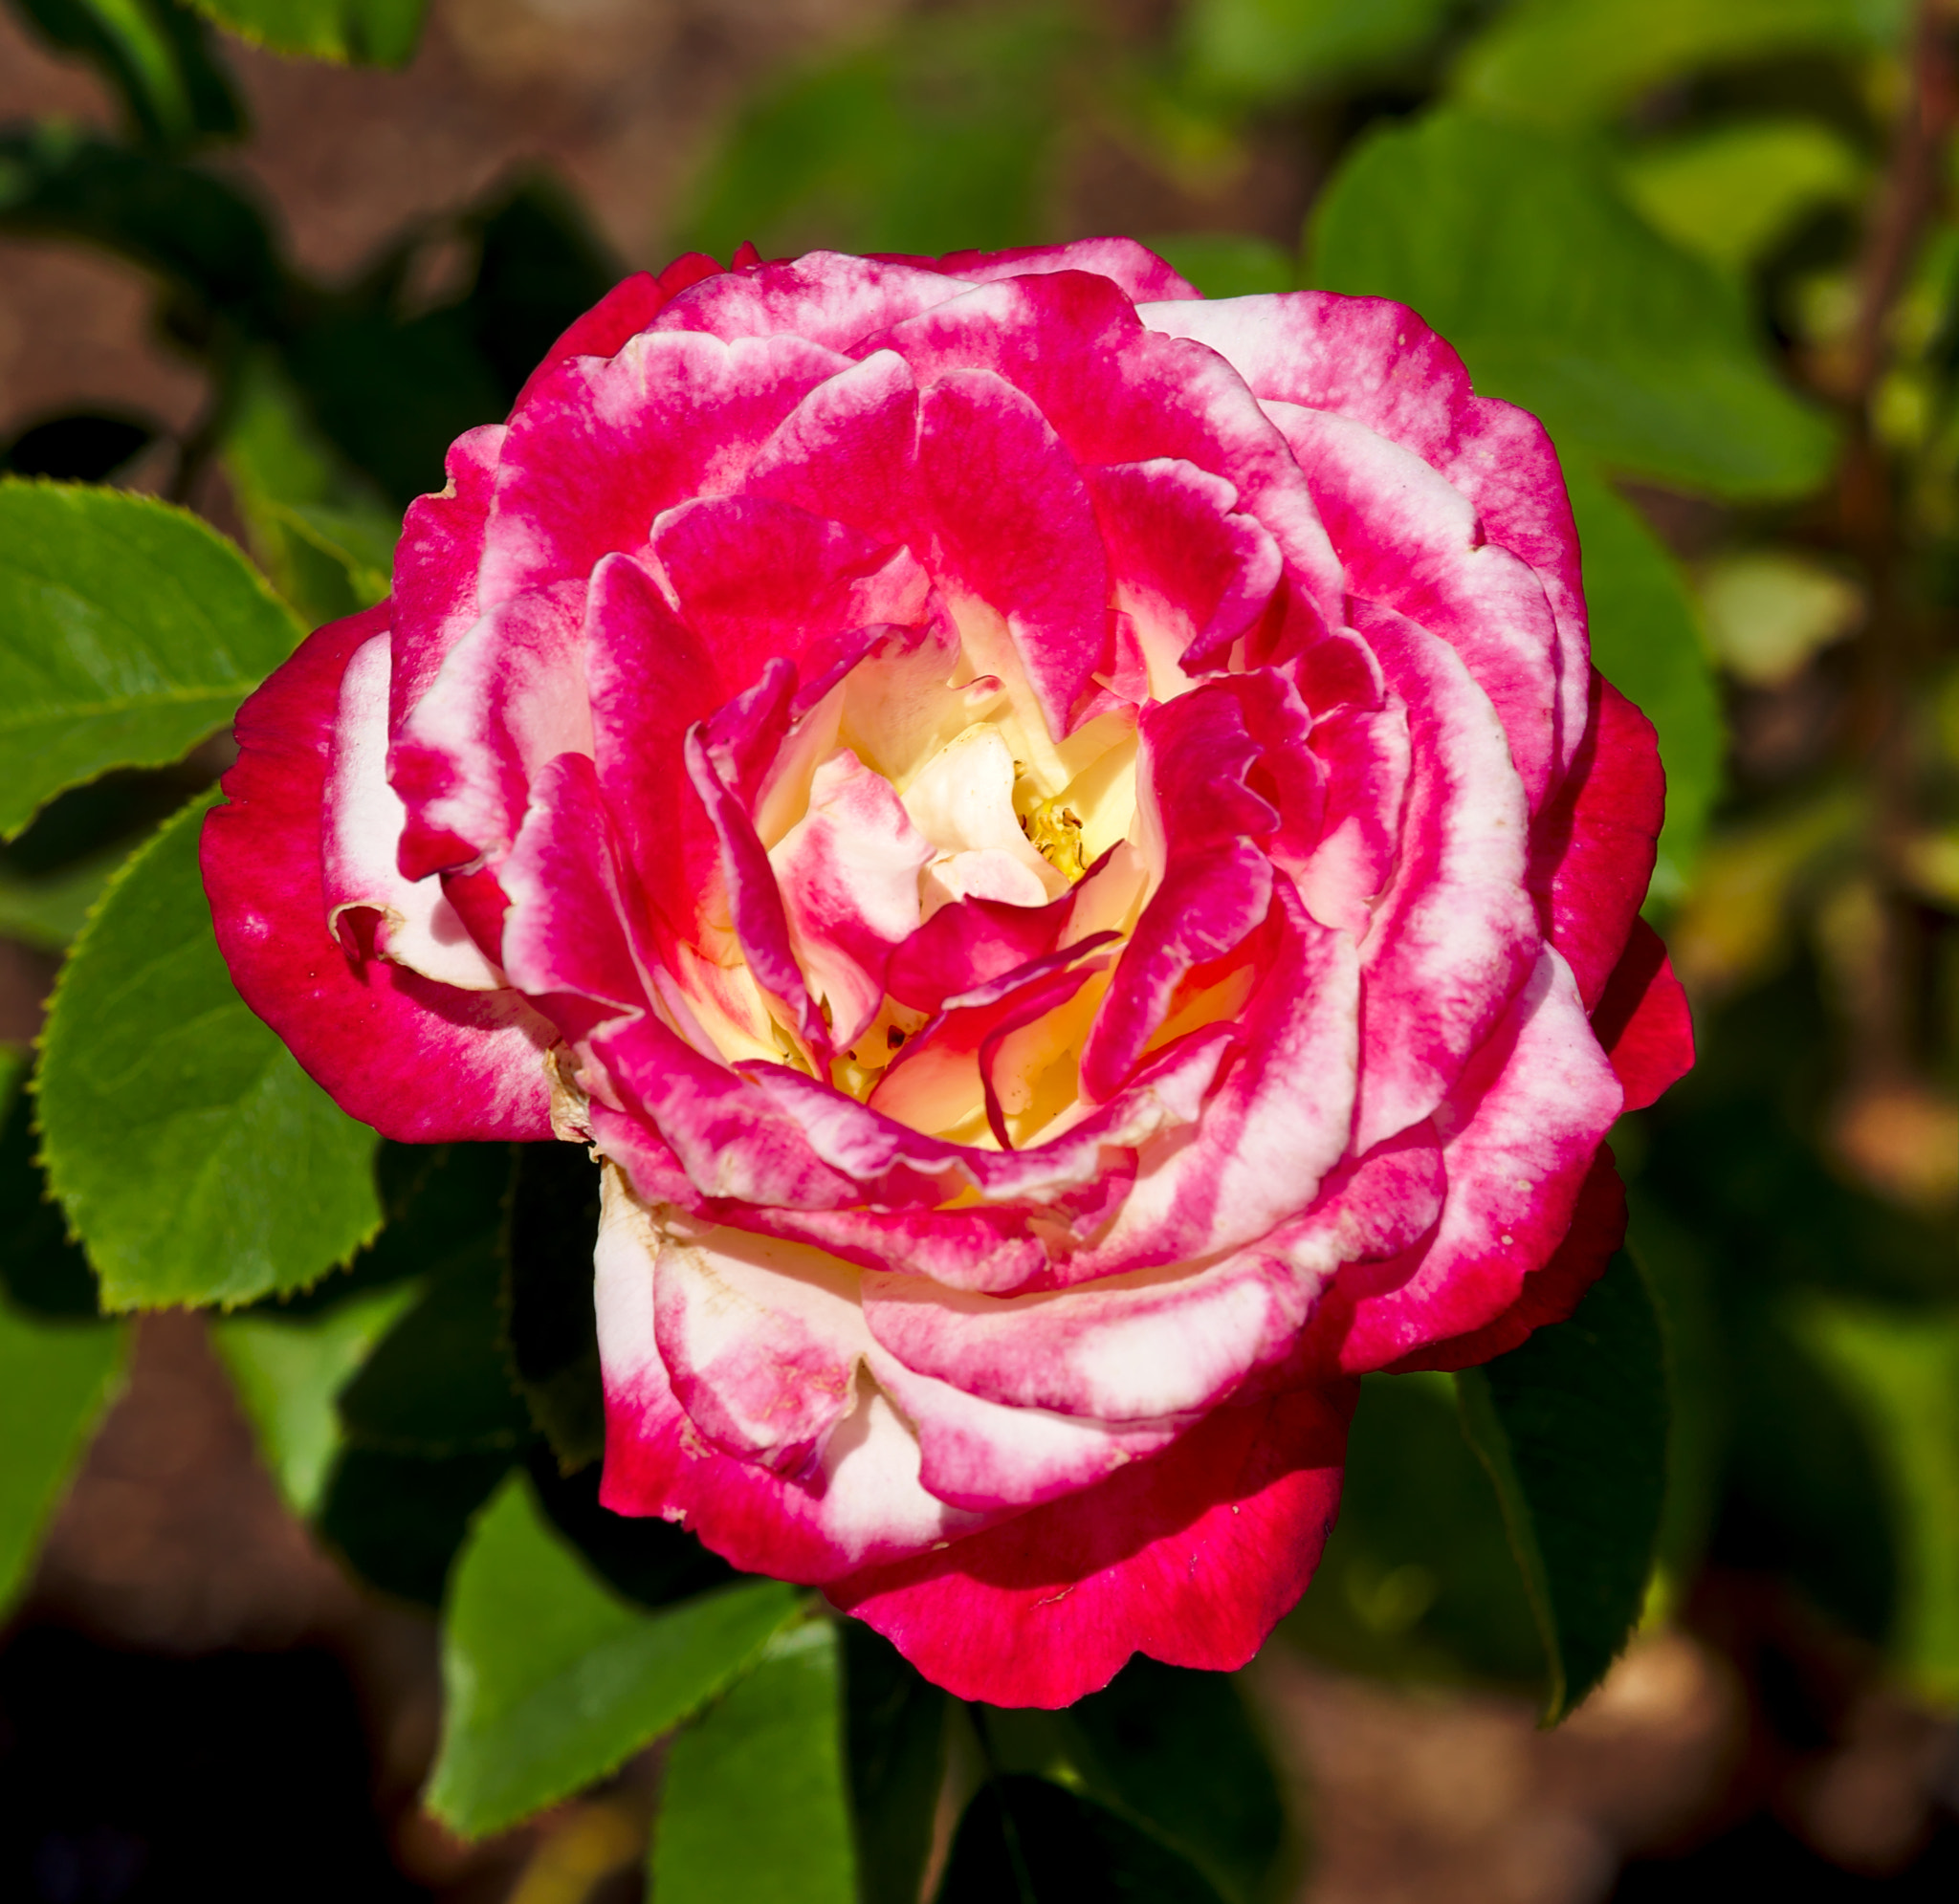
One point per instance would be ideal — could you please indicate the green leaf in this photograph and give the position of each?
(1899, 1368)
(196, 1161)
(324, 537)
(57, 1378)
(554, 1335)
(1735, 193)
(1520, 250)
(289, 1373)
(896, 1731)
(936, 138)
(1176, 1753)
(158, 57)
(1572, 1426)
(754, 1807)
(553, 1681)
(48, 911)
(1024, 1840)
(399, 1520)
(1228, 264)
(1417, 1581)
(1274, 49)
(202, 236)
(1567, 62)
(128, 631)
(1645, 641)
(368, 32)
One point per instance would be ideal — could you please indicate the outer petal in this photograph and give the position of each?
(436, 564)
(627, 308)
(1643, 1020)
(1191, 1557)
(422, 1063)
(1519, 1133)
(1139, 272)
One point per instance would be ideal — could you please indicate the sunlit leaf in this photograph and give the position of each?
(1572, 1426)
(128, 631)
(156, 54)
(289, 1372)
(1269, 49)
(754, 1807)
(1565, 62)
(1518, 248)
(1731, 194)
(1769, 610)
(371, 32)
(196, 1159)
(1645, 642)
(553, 1680)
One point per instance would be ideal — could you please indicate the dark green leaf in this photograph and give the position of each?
(1227, 264)
(399, 1519)
(1564, 62)
(158, 57)
(206, 240)
(370, 32)
(1272, 48)
(44, 1272)
(79, 447)
(50, 911)
(1176, 1751)
(936, 138)
(648, 1560)
(196, 1159)
(55, 1380)
(128, 631)
(289, 1371)
(1520, 250)
(754, 1807)
(554, 1336)
(1572, 1426)
(896, 1728)
(553, 1681)
(1645, 643)
(1025, 1841)
(440, 1382)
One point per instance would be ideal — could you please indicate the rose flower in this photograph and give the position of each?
(1059, 841)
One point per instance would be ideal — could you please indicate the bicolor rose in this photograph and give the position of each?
(1061, 842)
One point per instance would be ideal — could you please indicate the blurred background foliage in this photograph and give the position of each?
(1714, 244)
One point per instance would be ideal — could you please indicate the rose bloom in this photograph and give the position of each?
(1061, 842)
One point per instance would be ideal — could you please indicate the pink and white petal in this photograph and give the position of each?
(1139, 273)
(1412, 543)
(422, 1063)
(1135, 1347)
(436, 563)
(1189, 568)
(1519, 1132)
(363, 823)
(1017, 531)
(624, 311)
(603, 444)
(848, 871)
(1191, 1557)
(1380, 364)
(1272, 1127)
(830, 297)
(1115, 393)
(864, 1505)
(1643, 1020)
(761, 1340)
(510, 696)
(981, 1456)
(1591, 850)
(1456, 935)
(850, 452)
(1365, 754)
